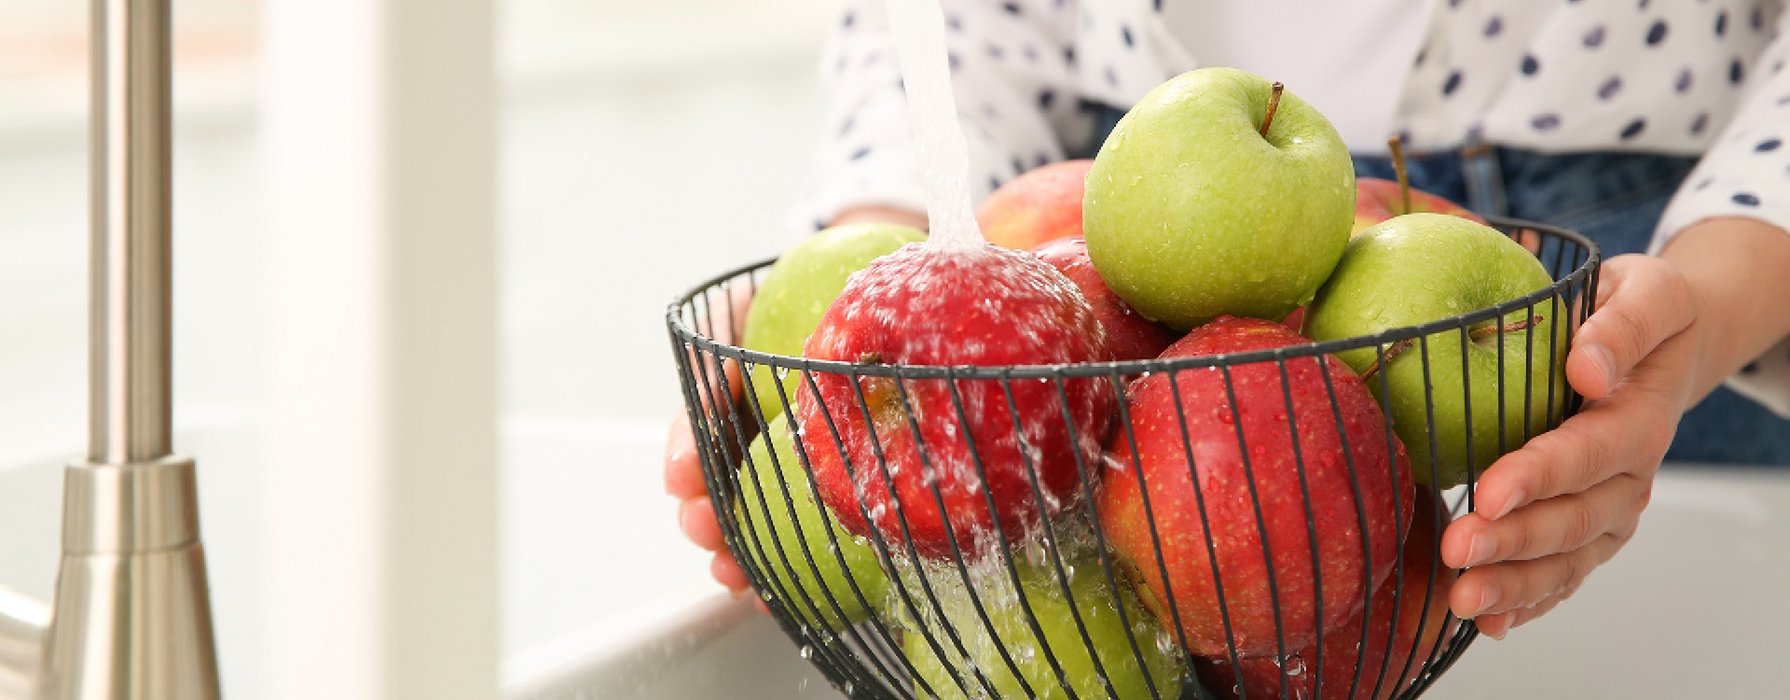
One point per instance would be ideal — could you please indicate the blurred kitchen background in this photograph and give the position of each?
(642, 145)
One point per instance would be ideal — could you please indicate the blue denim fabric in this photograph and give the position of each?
(1614, 199)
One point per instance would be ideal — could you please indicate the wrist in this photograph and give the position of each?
(1738, 271)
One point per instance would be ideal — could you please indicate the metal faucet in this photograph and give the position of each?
(132, 612)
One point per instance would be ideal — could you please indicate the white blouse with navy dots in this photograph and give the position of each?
(1665, 76)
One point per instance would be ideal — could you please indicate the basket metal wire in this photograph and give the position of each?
(882, 620)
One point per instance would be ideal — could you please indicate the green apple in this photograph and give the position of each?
(788, 537)
(1424, 267)
(1192, 212)
(797, 290)
(1089, 596)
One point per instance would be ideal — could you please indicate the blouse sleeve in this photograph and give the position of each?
(1746, 173)
(1012, 66)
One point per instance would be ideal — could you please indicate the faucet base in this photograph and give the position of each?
(132, 615)
(134, 626)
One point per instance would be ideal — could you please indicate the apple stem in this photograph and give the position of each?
(1522, 325)
(1273, 104)
(1396, 147)
(1398, 348)
(870, 358)
(1385, 358)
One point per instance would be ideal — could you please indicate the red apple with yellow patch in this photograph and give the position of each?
(1038, 206)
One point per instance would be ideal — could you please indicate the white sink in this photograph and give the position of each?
(1694, 607)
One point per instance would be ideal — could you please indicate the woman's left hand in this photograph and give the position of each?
(1549, 513)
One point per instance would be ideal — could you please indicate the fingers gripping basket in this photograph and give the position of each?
(1258, 523)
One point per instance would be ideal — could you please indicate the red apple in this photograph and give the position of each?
(1294, 320)
(1421, 610)
(1038, 206)
(1333, 465)
(1377, 200)
(970, 438)
(1129, 336)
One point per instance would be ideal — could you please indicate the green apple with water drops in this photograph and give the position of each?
(1133, 651)
(1423, 267)
(823, 574)
(1194, 210)
(797, 290)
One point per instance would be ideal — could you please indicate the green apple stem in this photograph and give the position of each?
(1396, 147)
(1398, 348)
(1385, 358)
(1273, 104)
(1522, 325)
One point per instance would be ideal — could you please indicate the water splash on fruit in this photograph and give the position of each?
(918, 28)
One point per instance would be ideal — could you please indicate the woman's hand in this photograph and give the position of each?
(1549, 513)
(695, 515)
(1665, 332)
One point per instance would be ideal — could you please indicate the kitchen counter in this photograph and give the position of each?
(1694, 606)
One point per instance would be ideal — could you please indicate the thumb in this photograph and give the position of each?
(1643, 301)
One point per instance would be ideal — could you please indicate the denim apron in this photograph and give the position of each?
(1614, 199)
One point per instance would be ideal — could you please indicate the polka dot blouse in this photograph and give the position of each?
(1665, 76)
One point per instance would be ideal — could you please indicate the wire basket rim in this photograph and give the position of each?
(685, 333)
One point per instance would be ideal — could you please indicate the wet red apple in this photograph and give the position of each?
(1129, 336)
(1416, 601)
(923, 459)
(1249, 465)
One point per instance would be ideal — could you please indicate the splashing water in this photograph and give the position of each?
(932, 110)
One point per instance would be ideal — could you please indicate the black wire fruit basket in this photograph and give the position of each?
(1255, 521)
